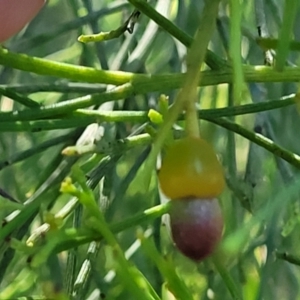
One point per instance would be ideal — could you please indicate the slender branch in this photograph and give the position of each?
(286, 31)
(113, 34)
(235, 49)
(293, 259)
(115, 147)
(51, 68)
(60, 87)
(194, 60)
(84, 117)
(76, 238)
(18, 98)
(144, 83)
(34, 150)
(260, 140)
(66, 107)
(227, 278)
(212, 60)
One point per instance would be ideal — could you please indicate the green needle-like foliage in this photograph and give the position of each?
(84, 127)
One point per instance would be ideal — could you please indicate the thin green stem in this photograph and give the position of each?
(83, 117)
(40, 125)
(64, 212)
(260, 140)
(51, 68)
(113, 34)
(194, 61)
(212, 60)
(292, 259)
(36, 149)
(267, 43)
(18, 218)
(235, 48)
(175, 283)
(18, 98)
(82, 279)
(100, 49)
(285, 35)
(76, 238)
(195, 57)
(72, 260)
(59, 87)
(132, 279)
(228, 280)
(68, 106)
(142, 83)
(115, 147)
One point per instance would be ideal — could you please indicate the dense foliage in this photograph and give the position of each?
(81, 124)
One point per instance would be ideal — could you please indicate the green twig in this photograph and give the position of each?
(194, 59)
(235, 49)
(188, 92)
(14, 122)
(36, 149)
(271, 43)
(18, 98)
(74, 238)
(51, 68)
(175, 284)
(143, 83)
(289, 15)
(115, 147)
(227, 279)
(260, 140)
(113, 34)
(96, 175)
(130, 276)
(18, 218)
(293, 259)
(80, 283)
(212, 60)
(59, 87)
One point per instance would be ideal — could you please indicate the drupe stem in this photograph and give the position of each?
(195, 58)
(192, 124)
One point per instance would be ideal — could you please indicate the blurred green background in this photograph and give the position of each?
(255, 176)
